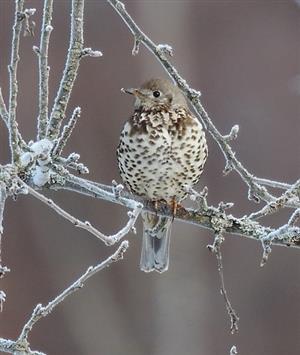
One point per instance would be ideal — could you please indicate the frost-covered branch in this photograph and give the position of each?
(13, 83)
(3, 109)
(66, 132)
(215, 248)
(291, 194)
(70, 71)
(108, 240)
(204, 217)
(21, 345)
(44, 69)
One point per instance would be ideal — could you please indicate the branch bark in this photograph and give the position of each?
(70, 71)
(205, 218)
(13, 83)
(44, 68)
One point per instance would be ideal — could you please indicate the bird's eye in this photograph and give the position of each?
(156, 93)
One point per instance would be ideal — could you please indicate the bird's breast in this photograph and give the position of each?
(157, 159)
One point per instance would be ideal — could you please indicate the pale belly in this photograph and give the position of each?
(161, 168)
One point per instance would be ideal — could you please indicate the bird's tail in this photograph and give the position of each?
(156, 243)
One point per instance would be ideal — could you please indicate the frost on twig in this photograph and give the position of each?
(89, 52)
(13, 83)
(290, 195)
(233, 350)
(216, 249)
(165, 49)
(2, 299)
(232, 134)
(38, 159)
(3, 269)
(44, 69)
(66, 132)
(288, 231)
(108, 240)
(3, 109)
(117, 188)
(71, 162)
(70, 71)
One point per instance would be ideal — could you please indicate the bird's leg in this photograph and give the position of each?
(174, 205)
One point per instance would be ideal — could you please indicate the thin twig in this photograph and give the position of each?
(5, 116)
(44, 69)
(292, 192)
(272, 183)
(42, 311)
(66, 133)
(3, 196)
(294, 218)
(70, 71)
(13, 83)
(216, 249)
(108, 240)
(3, 109)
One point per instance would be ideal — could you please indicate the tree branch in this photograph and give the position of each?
(108, 240)
(66, 133)
(205, 218)
(44, 68)
(3, 110)
(70, 71)
(13, 83)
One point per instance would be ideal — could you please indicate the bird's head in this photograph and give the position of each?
(157, 92)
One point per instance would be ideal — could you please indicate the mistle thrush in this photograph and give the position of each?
(162, 150)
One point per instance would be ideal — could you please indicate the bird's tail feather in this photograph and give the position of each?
(156, 243)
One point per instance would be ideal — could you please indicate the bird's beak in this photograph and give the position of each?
(129, 91)
(135, 92)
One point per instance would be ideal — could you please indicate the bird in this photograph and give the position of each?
(162, 151)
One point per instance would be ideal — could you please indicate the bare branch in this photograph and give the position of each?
(3, 196)
(44, 69)
(42, 311)
(3, 110)
(13, 83)
(5, 116)
(205, 218)
(11, 347)
(108, 240)
(294, 218)
(216, 249)
(271, 183)
(66, 133)
(292, 193)
(70, 71)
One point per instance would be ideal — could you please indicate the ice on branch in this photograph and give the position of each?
(39, 158)
(89, 52)
(2, 299)
(233, 133)
(233, 350)
(165, 49)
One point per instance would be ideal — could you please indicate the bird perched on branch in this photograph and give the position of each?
(162, 150)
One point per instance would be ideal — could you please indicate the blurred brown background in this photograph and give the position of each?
(245, 58)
